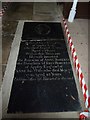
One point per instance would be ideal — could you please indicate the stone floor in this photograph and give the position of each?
(15, 12)
(28, 11)
(46, 12)
(79, 33)
(24, 11)
(19, 11)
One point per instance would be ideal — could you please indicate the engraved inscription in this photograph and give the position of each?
(43, 60)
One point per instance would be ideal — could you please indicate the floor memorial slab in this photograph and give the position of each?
(42, 79)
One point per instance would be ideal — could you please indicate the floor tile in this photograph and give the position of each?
(45, 11)
(0, 52)
(19, 11)
(79, 26)
(9, 27)
(8, 31)
(6, 46)
(3, 70)
(0, 75)
(79, 33)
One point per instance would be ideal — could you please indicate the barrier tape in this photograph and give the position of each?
(86, 113)
(2, 11)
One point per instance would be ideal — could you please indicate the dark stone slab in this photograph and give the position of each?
(39, 30)
(44, 96)
(43, 79)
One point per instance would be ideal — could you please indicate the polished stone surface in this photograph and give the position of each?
(43, 79)
(42, 30)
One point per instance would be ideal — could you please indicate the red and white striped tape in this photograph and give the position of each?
(80, 75)
(2, 11)
(84, 115)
